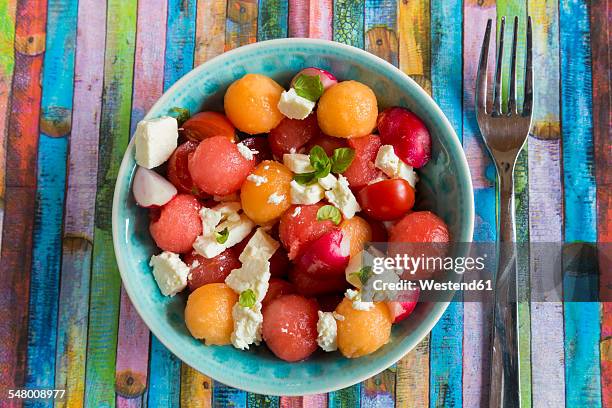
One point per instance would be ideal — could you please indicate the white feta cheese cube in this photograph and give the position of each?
(207, 245)
(155, 140)
(327, 330)
(294, 106)
(247, 326)
(170, 272)
(305, 194)
(342, 197)
(276, 198)
(297, 163)
(328, 182)
(253, 274)
(355, 297)
(246, 152)
(258, 180)
(261, 245)
(393, 166)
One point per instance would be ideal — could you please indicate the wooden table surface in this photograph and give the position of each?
(76, 77)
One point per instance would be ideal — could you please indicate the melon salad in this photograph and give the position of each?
(262, 212)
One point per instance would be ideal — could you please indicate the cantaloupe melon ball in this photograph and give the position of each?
(208, 314)
(347, 109)
(362, 332)
(251, 103)
(266, 199)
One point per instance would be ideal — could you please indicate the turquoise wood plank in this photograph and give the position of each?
(224, 396)
(348, 24)
(114, 134)
(582, 331)
(272, 19)
(56, 109)
(165, 374)
(446, 346)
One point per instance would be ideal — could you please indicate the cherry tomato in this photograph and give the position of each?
(387, 199)
(178, 170)
(203, 125)
(293, 134)
(261, 146)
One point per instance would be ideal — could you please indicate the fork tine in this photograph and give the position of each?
(481, 76)
(512, 96)
(497, 109)
(528, 103)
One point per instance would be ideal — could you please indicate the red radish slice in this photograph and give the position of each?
(326, 257)
(400, 310)
(326, 77)
(150, 189)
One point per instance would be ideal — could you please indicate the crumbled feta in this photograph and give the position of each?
(297, 163)
(229, 210)
(338, 316)
(276, 198)
(393, 166)
(246, 152)
(170, 272)
(155, 140)
(292, 150)
(261, 245)
(207, 245)
(258, 180)
(342, 197)
(305, 194)
(296, 211)
(328, 182)
(210, 219)
(229, 197)
(327, 331)
(253, 274)
(294, 106)
(355, 297)
(247, 326)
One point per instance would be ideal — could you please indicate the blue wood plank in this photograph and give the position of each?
(165, 371)
(224, 396)
(272, 19)
(56, 109)
(582, 331)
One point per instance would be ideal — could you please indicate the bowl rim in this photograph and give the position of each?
(401, 348)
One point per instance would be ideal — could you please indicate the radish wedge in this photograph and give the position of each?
(150, 189)
(326, 257)
(400, 310)
(326, 77)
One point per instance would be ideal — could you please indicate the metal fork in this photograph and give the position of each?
(504, 134)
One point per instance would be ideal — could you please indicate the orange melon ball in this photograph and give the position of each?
(359, 232)
(265, 194)
(347, 109)
(251, 103)
(362, 332)
(208, 314)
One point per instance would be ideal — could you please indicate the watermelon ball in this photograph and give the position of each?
(217, 167)
(290, 327)
(299, 226)
(178, 224)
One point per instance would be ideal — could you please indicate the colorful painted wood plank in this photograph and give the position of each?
(164, 376)
(22, 145)
(55, 122)
(347, 23)
(310, 18)
(241, 23)
(446, 79)
(80, 205)
(600, 51)
(582, 330)
(196, 389)
(413, 27)
(272, 19)
(545, 206)
(477, 315)
(298, 17)
(224, 396)
(7, 64)
(114, 134)
(210, 29)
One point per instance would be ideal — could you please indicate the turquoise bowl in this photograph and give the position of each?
(445, 187)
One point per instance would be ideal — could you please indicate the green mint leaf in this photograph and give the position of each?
(320, 162)
(221, 236)
(180, 114)
(309, 87)
(363, 274)
(247, 298)
(305, 178)
(342, 159)
(329, 212)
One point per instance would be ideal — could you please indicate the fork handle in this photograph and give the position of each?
(504, 355)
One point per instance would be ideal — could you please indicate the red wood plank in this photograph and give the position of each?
(22, 146)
